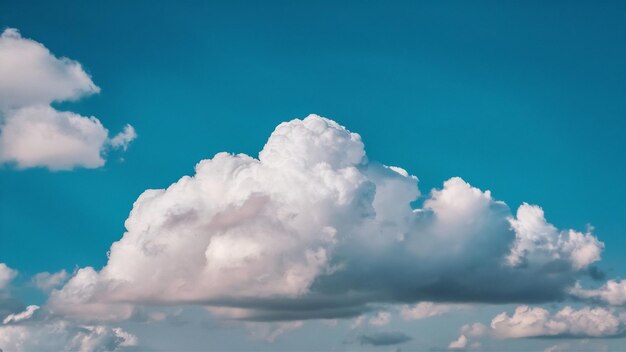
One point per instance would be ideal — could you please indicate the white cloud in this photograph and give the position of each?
(6, 275)
(33, 134)
(468, 331)
(537, 238)
(123, 139)
(458, 344)
(533, 322)
(32, 75)
(613, 292)
(25, 331)
(25, 315)
(63, 336)
(46, 281)
(313, 223)
(43, 136)
(425, 310)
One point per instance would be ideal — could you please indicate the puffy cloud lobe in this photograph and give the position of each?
(545, 243)
(32, 75)
(46, 281)
(43, 136)
(123, 139)
(458, 344)
(33, 134)
(468, 331)
(533, 322)
(313, 230)
(613, 292)
(6, 275)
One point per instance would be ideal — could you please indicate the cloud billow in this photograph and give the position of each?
(32, 132)
(313, 229)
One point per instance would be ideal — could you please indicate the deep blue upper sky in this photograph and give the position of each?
(527, 99)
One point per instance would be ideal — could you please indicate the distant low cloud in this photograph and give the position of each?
(312, 229)
(537, 322)
(525, 322)
(384, 338)
(26, 332)
(34, 134)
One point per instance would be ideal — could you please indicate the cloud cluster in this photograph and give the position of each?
(24, 332)
(33, 133)
(539, 322)
(35, 329)
(313, 229)
(534, 322)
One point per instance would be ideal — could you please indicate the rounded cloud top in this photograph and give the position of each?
(32, 75)
(311, 141)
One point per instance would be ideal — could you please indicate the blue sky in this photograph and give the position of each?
(526, 100)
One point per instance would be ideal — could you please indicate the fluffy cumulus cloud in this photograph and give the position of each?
(533, 322)
(469, 332)
(537, 238)
(314, 230)
(613, 292)
(528, 321)
(34, 134)
(34, 330)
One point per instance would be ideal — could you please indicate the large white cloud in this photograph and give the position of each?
(312, 229)
(33, 134)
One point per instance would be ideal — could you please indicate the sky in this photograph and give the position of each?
(417, 175)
